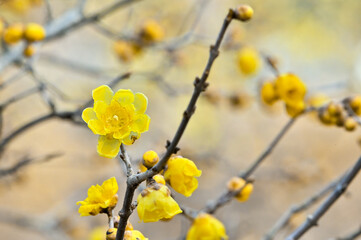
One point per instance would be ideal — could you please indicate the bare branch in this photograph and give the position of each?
(351, 236)
(125, 158)
(339, 190)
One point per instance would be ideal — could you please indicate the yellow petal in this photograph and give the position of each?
(103, 93)
(100, 108)
(141, 124)
(124, 96)
(96, 126)
(140, 102)
(88, 114)
(108, 147)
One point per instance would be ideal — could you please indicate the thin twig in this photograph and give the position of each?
(285, 218)
(200, 85)
(20, 96)
(125, 158)
(351, 236)
(339, 190)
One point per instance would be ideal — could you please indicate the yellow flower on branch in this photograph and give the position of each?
(155, 203)
(236, 184)
(206, 227)
(290, 88)
(100, 198)
(117, 118)
(181, 173)
(134, 235)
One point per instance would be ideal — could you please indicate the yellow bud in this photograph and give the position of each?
(29, 51)
(325, 117)
(350, 124)
(295, 109)
(13, 33)
(129, 226)
(248, 60)
(237, 183)
(150, 158)
(34, 32)
(334, 109)
(151, 31)
(159, 179)
(268, 93)
(142, 168)
(126, 50)
(244, 12)
(355, 104)
(111, 233)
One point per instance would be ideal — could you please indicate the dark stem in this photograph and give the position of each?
(339, 190)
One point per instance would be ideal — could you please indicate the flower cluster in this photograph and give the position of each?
(206, 227)
(286, 87)
(118, 118)
(100, 199)
(239, 184)
(32, 32)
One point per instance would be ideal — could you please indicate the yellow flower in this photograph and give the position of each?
(236, 183)
(13, 33)
(34, 32)
(100, 198)
(181, 173)
(151, 32)
(206, 227)
(248, 60)
(117, 118)
(290, 88)
(134, 235)
(155, 203)
(296, 108)
(268, 93)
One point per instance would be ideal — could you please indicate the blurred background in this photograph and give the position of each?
(317, 40)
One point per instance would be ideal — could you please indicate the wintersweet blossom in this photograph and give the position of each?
(236, 184)
(155, 203)
(100, 198)
(290, 88)
(181, 173)
(206, 227)
(117, 118)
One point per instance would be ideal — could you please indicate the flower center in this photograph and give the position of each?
(117, 117)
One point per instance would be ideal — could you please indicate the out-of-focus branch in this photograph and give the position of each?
(327, 204)
(20, 96)
(25, 162)
(285, 218)
(351, 236)
(69, 21)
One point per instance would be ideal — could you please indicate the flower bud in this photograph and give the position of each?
(111, 234)
(13, 33)
(355, 104)
(150, 158)
(129, 226)
(243, 12)
(34, 32)
(350, 124)
(29, 51)
(159, 179)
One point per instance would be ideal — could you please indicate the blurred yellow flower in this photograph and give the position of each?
(181, 173)
(13, 33)
(98, 233)
(290, 88)
(268, 93)
(206, 227)
(151, 31)
(248, 60)
(34, 32)
(155, 203)
(134, 235)
(117, 118)
(126, 50)
(295, 108)
(100, 198)
(236, 183)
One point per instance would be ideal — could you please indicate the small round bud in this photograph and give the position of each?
(29, 51)
(111, 233)
(150, 158)
(269, 93)
(243, 12)
(34, 32)
(237, 183)
(350, 124)
(334, 109)
(13, 33)
(159, 179)
(355, 104)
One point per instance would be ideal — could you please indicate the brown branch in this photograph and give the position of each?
(200, 85)
(327, 204)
